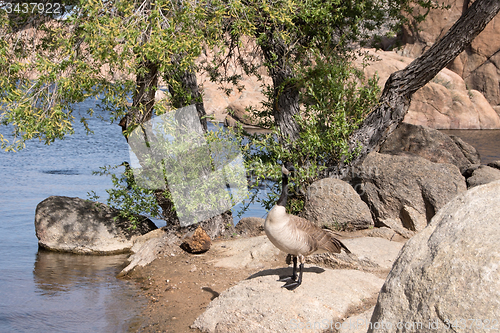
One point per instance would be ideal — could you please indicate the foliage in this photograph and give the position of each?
(306, 47)
(336, 98)
(287, 31)
(96, 50)
(131, 199)
(99, 50)
(195, 168)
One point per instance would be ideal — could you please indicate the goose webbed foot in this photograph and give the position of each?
(294, 282)
(291, 282)
(287, 278)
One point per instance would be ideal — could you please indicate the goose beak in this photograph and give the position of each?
(288, 167)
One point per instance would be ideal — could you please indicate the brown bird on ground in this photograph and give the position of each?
(295, 235)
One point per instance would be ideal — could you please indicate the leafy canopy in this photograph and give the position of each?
(96, 49)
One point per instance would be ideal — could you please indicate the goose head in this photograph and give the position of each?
(287, 168)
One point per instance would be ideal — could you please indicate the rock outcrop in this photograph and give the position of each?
(334, 204)
(454, 99)
(483, 175)
(404, 192)
(443, 103)
(84, 227)
(448, 273)
(231, 101)
(430, 144)
(478, 65)
(465, 96)
(259, 304)
(446, 102)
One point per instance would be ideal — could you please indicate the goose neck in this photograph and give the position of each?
(284, 191)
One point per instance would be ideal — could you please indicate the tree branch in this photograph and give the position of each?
(401, 85)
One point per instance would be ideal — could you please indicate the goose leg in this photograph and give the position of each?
(291, 281)
(294, 271)
(291, 285)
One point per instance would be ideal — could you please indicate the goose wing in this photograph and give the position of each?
(317, 238)
(337, 242)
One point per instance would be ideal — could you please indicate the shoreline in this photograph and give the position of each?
(179, 286)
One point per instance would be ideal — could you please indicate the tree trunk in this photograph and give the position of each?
(285, 102)
(217, 225)
(401, 85)
(189, 85)
(146, 87)
(144, 97)
(286, 94)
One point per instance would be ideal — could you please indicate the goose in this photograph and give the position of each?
(296, 236)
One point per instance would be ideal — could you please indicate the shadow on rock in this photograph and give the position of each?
(285, 271)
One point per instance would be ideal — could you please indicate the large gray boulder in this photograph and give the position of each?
(430, 144)
(259, 304)
(326, 296)
(334, 204)
(482, 175)
(84, 227)
(404, 191)
(449, 273)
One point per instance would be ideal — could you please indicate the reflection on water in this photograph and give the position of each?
(487, 142)
(70, 293)
(55, 292)
(55, 273)
(83, 293)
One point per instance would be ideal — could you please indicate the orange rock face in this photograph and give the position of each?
(443, 103)
(478, 65)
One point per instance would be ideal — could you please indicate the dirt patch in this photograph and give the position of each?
(179, 286)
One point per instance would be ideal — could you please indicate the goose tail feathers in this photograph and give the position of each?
(335, 245)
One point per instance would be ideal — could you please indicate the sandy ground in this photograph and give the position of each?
(180, 285)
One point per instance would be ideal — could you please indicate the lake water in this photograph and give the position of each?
(487, 142)
(41, 291)
(53, 292)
